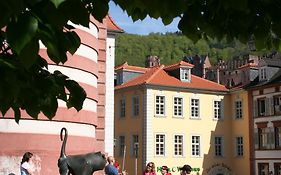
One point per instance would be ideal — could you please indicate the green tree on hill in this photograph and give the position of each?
(172, 48)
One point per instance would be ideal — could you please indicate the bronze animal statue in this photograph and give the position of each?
(85, 164)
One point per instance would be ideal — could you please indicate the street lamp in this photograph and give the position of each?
(136, 152)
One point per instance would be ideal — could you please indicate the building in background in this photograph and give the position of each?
(201, 64)
(173, 118)
(112, 30)
(266, 122)
(90, 129)
(257, 80)
(240, 135)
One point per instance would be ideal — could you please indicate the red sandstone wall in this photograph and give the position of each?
(46, 146)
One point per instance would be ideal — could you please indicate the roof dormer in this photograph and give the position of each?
(262, 73)
(125, 72)
(180, 70)
(185, 74)
(268, 67)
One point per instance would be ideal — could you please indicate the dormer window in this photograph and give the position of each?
(185, 74)
(263, 73)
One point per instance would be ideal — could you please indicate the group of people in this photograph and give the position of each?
(112, 168)
(150, 169)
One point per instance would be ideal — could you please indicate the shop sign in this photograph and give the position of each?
(176, 169)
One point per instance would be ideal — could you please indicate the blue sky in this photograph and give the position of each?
(144, 27)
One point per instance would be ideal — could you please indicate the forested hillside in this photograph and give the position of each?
(171, 47)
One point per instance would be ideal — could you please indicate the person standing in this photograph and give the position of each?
(186, 169)
(25, 168)
(150, 169)
(110, 169)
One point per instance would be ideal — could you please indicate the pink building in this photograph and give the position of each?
(88, 130)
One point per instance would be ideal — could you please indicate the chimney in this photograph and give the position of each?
(152, 61)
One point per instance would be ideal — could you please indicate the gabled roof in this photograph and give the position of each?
(127, 67)
(178, 65)
(251, 65)
(276, 78)
(158, 76)
(112, 26)
(273, 62)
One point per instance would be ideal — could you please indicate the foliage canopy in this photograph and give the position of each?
(25, 80)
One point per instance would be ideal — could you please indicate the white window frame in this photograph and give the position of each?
(135, 139)
(178, 145)
(219, 146)
(263, 138)
(195, 145)
(122, 107)
(185, 74)
(160, 105)
(177, 108)
(217, 109)
(261, 106)
(160, 145)
(277, 104)
(135, 106)
(239, 146)
(194, 107)
(238, 109)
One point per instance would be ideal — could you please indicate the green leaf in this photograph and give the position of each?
(167, 20)
(29, 54)
(6, 63)
(100, 9)
(33, 111)
(49, 106)
(57, 2)
(70, 41)
(76, 12)
(20, 32)
(4, 106)
(8, 9)
(77, 95)
(17, 114)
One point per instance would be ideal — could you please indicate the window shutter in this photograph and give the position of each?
(222, 109)
(234, 110)
(272, 139)
(213, 108)
(132, 147)
(255, 108)
(242, 108)
(267, 108)
(268, 139)
(256, 138)
(271, 106)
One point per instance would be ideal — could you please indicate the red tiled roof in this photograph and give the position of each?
(178, 64)
(111, 25)
(158, 76)
(125, 66)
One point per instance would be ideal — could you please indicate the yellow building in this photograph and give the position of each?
(241, 127)
(174, 118)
